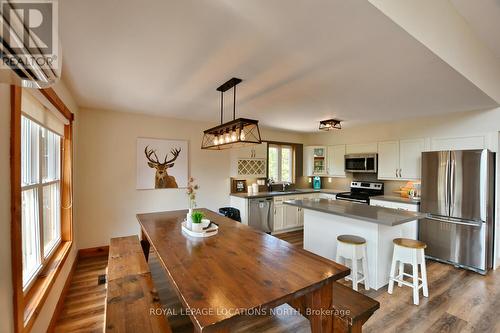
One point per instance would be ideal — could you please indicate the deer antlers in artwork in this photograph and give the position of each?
(150, 153)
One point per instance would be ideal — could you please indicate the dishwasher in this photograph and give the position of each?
(261, 214)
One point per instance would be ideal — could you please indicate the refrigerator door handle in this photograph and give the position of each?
(447, 186)
(484, 186)
(452, 182)
(445, 220)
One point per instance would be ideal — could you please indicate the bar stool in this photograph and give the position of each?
(353, 248)
(409, 251)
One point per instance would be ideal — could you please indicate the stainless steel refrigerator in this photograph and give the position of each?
(458, 196)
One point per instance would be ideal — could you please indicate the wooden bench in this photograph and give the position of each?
(132, 303)
(352, 309)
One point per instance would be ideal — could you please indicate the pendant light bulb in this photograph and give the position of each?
(233, 136)
(216, 140)
(228, 137)
(242, 135)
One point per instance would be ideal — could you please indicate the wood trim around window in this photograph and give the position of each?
(28, 307)
(298, 149)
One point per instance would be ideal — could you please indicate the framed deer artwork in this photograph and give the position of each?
(161, 163)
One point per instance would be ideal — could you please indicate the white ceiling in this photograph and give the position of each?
(483, 17)
(301, 61)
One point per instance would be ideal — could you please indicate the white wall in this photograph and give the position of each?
(106, 178)
(6, 292)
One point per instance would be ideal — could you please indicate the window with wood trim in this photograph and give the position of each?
(281, 163)
(41, 197)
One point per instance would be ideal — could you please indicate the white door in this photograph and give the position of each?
(335, 156)
(388, 160)
(308, 161)
(410, 158)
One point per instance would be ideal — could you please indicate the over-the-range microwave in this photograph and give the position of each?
(361, 163)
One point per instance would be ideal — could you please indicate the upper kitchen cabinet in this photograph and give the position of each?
(335, 156)
(250, 161)
(315, 161)
(388, 160)
(400, 160)
(459, 143)
(361, 148)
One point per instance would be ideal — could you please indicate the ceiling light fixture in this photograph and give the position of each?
(329, 124)
(235, 133)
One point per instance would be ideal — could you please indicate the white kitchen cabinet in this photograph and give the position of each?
(300, 217)
(290, 216)
(249, 162)
(315, 161)
(278, 217)
(459, 143)
(409, 229)
(335, 156)
(360, 148)
(286, 217)
(388, 160)
(308, 155)
(400, 160)
(253, 151)
(410, 158)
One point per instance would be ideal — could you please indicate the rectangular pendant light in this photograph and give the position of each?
(329, 124)
(235, 133)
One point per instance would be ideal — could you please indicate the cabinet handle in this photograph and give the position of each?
(396, 173)
(400, 173)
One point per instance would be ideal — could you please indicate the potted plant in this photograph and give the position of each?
(191, 193)
(197, 225)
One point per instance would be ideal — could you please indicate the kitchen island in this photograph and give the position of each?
(324, 220)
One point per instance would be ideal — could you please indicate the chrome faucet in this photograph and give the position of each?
(285, 184)
(269, 185)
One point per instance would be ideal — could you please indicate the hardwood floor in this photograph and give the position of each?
(83, 309)
(460, 301)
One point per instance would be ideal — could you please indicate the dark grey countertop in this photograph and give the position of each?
(395, 198)
(278, 193)
(373, 214)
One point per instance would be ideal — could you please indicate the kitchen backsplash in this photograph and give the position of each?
(390, 186)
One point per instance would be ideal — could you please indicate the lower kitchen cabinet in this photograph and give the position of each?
(286, 217)
(278, 217)
(409, 229)
(291, 217)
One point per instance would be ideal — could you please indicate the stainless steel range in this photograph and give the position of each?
(362, 191)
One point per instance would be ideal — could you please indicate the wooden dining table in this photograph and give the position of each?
(240, 271)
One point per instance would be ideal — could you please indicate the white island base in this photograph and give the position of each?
(320, 237)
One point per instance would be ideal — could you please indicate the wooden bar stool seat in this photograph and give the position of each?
(353, 248)
(409, 251)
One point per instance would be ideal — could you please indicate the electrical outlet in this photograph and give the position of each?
(310, 180)
(329, 179)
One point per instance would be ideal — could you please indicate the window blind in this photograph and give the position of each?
(37, 107)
